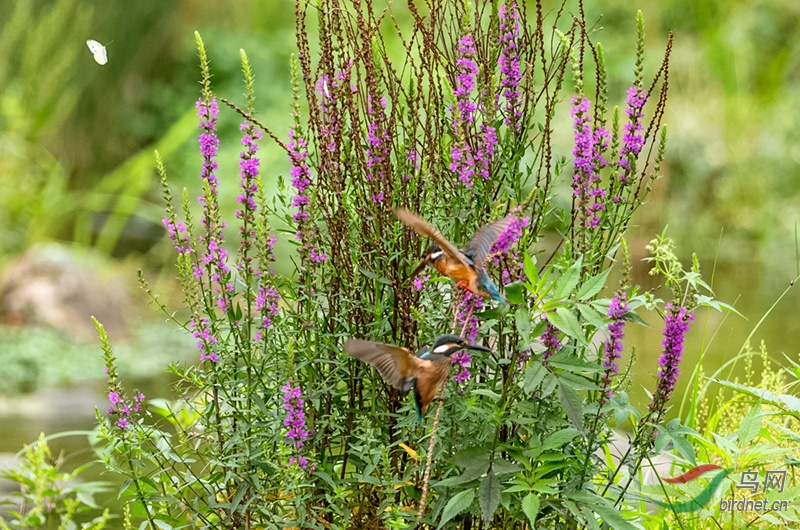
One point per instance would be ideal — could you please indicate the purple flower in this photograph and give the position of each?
(120, 407)
(509, 64)
(201, 330)
(248, 183)
(676, 325)
(522, 357)
(267, 305)
(300, 172)
(590, 143)
(465, 315)
(467, 72)
(509, 236)
(419, 281)
(317, 256)
(295, 422)
(486, 150)
(632, 138)
(462, 358)
(178, 233)
(462, 162)
(465, 160)
(378, 145)
(612, 347)
(214, 255)
(301, 181)
(551, 338)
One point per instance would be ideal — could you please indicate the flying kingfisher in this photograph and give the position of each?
(465, 266)
(425, 373)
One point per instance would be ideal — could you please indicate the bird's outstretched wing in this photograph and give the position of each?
(424, 228)
(478, 247)
(397, 365)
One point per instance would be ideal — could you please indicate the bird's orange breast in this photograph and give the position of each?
(429, 381)
(454, 270)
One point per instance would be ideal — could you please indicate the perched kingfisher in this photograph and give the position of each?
(465, 266)
(425, 373)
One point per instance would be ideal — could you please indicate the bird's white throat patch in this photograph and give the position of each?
(442, 348)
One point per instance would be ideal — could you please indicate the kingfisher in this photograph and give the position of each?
(425, 372)
(465, 266)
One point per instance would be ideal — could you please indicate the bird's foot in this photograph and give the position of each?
(464, 284)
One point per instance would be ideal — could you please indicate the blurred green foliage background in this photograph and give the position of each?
(77, 138)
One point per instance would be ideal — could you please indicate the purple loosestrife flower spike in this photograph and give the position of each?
(507, 238)
(248, 184)
(295, 422)
(206, 339)
(121, 407)
(301, 181)
(632, 138)
(267, 305)
(676, 325)
(179, 234)
(502, 246)
(588, 161)
(378, 147)
(214, 256)
(463, 160)
(551, 338)
(509, 64)
(485, 152)
(612, 347)
(470, 325)
(467, 70)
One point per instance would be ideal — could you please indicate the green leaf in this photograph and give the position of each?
(684, 448)
(786, 402)
(750, 426)
(613, 518)
(572, 363)
(567, 282)
(559, 438)
(592, 286)
(494, 396)
(530, 268)
(564, 320)
(530, 505)
(611, 515)
(533, 376)
(523, 320)
(572, 404)
(576, 382)
(163, 525)
(591, 315)
(495, 313)
(489, 497)
(514, 293)
(470, 473)
(467, 457)
(457, 504)
(504, 467)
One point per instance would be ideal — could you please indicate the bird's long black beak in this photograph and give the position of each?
(476, 347)
(416, 271)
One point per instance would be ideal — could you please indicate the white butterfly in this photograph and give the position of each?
(98, 50)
